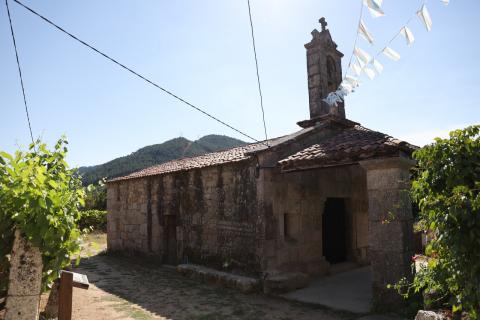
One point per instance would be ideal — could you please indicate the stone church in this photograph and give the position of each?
(332, 192)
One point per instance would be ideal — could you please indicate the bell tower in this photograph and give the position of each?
(324, 67)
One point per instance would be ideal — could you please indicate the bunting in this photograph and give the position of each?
(377, 65)
(362, 55)
(370, 73)
(356, 68)
(407, 33)
(347, 88)
(363, 31)
(390, 53)
(425, 17)
(352, 81)
(374, 6)
(333, 99)
(362, 62)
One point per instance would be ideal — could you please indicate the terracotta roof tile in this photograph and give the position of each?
(350, 145)
(210, 159)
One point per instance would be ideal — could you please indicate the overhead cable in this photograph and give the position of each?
(258, 74)
(134, 72)
(20, 73)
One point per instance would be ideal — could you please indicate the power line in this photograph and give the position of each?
(258, 75)
(356, 38)
(20, 72)
(134, 72)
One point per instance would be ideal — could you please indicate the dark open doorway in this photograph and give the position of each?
(170, 239)
(334, 228)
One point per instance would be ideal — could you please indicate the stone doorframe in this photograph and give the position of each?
(390, 224)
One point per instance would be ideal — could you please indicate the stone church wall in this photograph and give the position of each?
(215, 209)
(297, 200)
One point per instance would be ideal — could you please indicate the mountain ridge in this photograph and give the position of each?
(155, 154)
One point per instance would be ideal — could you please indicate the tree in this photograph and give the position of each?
(446, 190)
(40, 196)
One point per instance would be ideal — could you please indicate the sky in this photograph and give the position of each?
(202, 51)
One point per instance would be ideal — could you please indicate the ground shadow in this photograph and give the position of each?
(164, 293)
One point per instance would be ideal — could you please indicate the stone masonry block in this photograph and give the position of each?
(387, 178)
(389, 267)
(389, 204)
(396, 236)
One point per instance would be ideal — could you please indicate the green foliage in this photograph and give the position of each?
(96, 196)
(40, 195)
(93, 220)
(157, 154)
(447, 192)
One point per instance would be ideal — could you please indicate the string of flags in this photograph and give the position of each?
(362, 62)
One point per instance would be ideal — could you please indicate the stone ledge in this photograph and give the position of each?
(285, 282)
(212, 276)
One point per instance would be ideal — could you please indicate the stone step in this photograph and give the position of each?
(212, 276)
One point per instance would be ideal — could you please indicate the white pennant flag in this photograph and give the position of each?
(370, 73)
(407, 33)
(343, 91)
(356, 68)
(374, 7)
(425, 17)
(345, 86)
(446, 2)
(333, 99)
(363, 31)
(360, 62)
(378, 66)
(353, 82)
(392, 54)
(362, 55)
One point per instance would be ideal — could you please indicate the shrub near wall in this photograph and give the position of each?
(447, 190)
(40, 196)
(93, 220)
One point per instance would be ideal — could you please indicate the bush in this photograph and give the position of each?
(446, 190)
(40, 196)
(96, 196)
(93, 220)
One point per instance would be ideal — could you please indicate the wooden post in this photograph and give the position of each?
(68, 280)
(65, 296)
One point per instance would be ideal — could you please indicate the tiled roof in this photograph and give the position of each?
(210, 159)
(349, 146)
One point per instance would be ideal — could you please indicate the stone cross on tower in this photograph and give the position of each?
(324, 23)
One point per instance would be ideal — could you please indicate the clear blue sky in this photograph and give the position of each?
(202, 51)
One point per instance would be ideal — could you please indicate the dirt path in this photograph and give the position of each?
(134, 289)
(130, 288)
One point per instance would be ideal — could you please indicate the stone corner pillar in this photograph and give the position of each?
(390, 224)
(24, 281)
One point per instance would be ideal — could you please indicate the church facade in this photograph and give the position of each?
(332, 192)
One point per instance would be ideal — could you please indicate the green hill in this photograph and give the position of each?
(156, 154)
